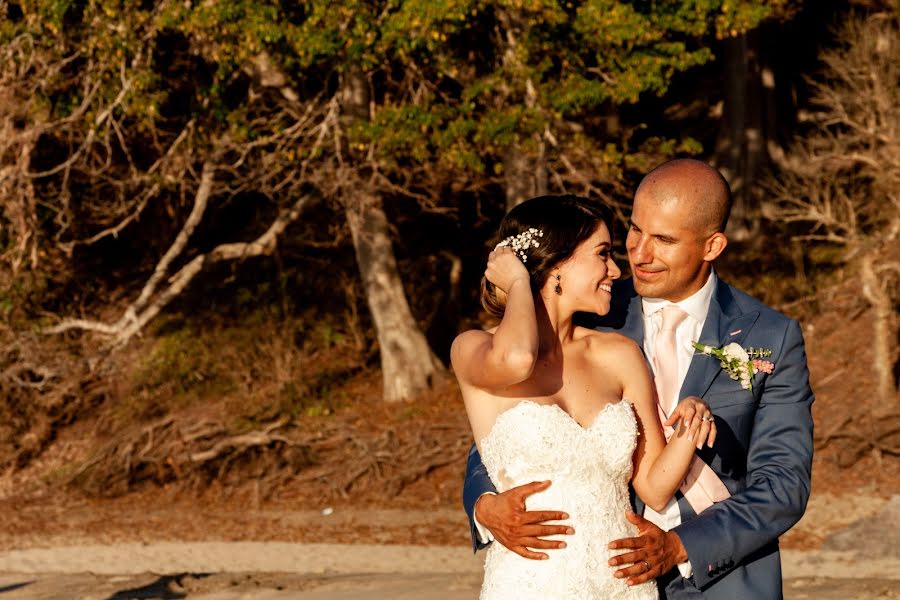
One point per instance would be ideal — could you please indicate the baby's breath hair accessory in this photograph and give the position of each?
(522, 242)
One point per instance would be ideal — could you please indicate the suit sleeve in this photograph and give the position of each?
(779, 462)
(477, 483)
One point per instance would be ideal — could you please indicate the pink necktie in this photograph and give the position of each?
(665, 356)
(701, 487)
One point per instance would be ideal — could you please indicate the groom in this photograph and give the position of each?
(718, 538)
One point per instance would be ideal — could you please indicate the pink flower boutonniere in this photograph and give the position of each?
(741, 364)
(763, 365)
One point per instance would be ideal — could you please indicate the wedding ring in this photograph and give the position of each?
(705, 418)
(646, 564)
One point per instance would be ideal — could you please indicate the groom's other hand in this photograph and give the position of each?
(661, 550)
(515, 527)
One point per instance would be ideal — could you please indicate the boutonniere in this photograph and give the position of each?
(740, 363)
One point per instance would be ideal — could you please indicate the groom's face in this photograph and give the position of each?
(665, 251)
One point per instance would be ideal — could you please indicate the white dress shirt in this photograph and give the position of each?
(696, 306)
(484, 534)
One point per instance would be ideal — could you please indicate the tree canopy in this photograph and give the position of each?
(130, 124)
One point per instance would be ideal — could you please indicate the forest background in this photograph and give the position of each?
(237, 237)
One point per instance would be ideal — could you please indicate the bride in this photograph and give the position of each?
(549, 400)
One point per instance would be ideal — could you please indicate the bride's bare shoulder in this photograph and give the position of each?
(606, 345)
(467, 342)
(467, 338)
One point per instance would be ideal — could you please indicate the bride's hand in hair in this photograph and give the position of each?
(504, 268)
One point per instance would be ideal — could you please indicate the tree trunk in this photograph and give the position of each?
(883, 335)
(731, 137)
(408, 366)
(741, 149)
(525, 176)
(407, 363)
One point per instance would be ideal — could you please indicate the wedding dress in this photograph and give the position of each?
(590, 468)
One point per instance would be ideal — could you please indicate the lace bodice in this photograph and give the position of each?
(590, 468)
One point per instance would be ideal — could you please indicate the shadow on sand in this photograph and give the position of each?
(15, 586)
(161, 589)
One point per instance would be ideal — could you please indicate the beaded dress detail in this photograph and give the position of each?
(590, 468)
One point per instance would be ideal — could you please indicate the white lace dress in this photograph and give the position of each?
(590, 469)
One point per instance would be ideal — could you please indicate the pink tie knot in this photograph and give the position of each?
(672, 316)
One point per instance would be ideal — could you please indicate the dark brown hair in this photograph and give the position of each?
(566, 221)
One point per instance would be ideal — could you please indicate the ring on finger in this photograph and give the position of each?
(647, 564)
(708, 419)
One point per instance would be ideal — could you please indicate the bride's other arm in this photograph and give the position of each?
(659, 468)
(493, 361)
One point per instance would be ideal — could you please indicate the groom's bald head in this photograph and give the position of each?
(695, 183)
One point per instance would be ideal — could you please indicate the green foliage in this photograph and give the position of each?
(460, 80)
(455, 82)
(330, 337)
(183, 363)
(454, 86)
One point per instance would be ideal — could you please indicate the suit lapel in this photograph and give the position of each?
(724, 324)
(634, 322)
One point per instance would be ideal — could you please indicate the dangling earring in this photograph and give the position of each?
(558, 288)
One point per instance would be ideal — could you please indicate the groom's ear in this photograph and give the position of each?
(715, 245)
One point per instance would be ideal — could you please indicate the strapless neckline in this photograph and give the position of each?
(569, 417)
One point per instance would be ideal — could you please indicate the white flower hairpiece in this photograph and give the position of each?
(522, 242)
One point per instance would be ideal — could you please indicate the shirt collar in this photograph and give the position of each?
(696, 305)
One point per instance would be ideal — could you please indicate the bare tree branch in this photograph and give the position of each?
(842, 181)
(149, 304)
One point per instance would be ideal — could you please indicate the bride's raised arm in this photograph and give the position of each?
(493, 361)
(659, 468)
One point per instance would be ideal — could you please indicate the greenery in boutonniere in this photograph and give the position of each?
(741, 364)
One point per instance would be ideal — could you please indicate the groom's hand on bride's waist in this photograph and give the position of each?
(651, 554)
(515, 527)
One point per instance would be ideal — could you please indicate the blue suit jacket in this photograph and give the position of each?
(763, 449)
